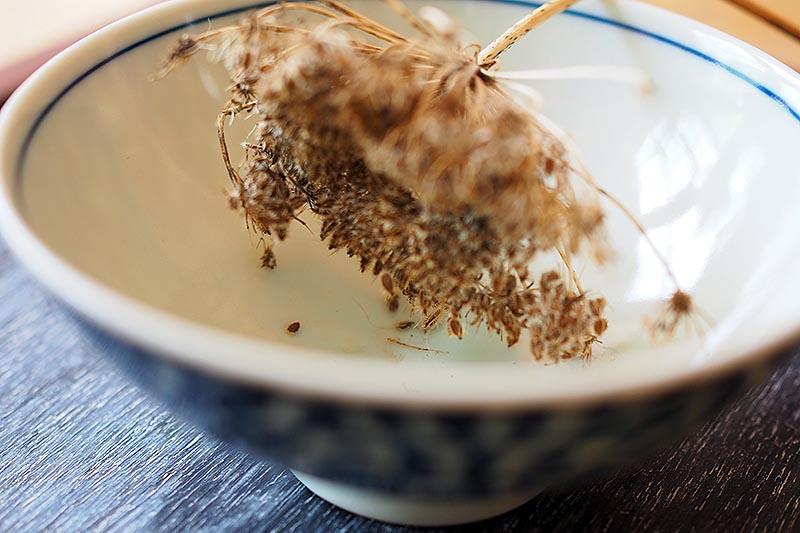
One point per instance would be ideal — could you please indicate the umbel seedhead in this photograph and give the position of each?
(418, 161)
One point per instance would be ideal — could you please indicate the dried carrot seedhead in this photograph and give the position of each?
(417, 161)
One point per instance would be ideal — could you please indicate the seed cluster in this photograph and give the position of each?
(417, 162)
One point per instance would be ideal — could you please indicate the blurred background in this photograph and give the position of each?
(34, 30)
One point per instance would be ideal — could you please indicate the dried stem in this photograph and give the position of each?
(223, 146)
(567, 260)
(359, 22)
(489, 55)
(395, 340)
(611, 73)
(635, 221)
(380, 31)
(402, 9)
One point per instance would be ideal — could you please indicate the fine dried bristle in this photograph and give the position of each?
(418, 162)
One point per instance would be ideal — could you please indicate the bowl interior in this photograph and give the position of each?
(122, 179)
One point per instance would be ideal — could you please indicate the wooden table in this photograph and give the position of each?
(82, 449)
(772, 25)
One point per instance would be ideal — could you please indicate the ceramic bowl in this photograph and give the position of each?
(113, 196)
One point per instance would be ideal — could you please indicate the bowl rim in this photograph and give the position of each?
(297, 371)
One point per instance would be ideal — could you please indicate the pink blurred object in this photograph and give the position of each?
(14, 74)
(32, 32)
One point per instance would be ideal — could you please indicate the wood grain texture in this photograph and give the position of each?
(83, 450)
(739, 22)
(784, 14)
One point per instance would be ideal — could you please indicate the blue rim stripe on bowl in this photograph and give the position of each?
(525, 3)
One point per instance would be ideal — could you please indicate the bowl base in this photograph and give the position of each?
(408, 511)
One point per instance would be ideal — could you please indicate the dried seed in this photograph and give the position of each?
(386, 281)
(600, 326)
(393, 303)
(454, 327)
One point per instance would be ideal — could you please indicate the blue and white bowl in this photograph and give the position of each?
(112, 195)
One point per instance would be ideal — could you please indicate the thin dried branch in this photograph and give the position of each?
(489, 55)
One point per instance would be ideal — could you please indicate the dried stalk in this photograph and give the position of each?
(402, 9)
(489, 55)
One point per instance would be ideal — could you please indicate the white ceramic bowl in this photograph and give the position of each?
(112, 194)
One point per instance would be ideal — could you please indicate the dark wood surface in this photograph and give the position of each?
(82, 449)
